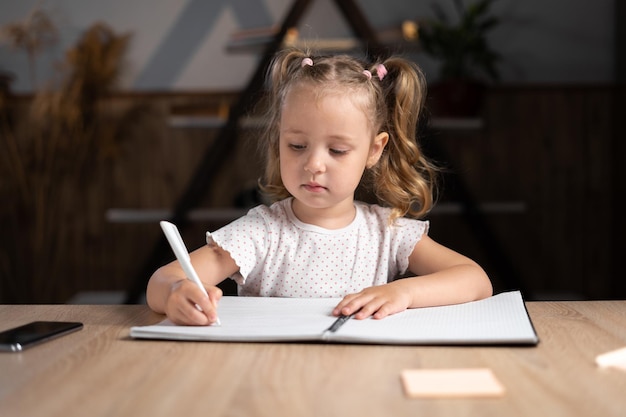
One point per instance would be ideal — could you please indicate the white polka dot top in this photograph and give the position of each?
(280, 256)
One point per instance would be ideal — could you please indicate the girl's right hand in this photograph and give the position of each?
(184, 299)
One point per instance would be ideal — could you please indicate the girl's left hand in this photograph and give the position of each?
(379, 301)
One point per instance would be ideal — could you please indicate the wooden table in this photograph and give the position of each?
(100, 371)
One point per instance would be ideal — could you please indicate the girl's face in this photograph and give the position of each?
(325, 144)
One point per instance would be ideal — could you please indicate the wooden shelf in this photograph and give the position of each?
(453, 123)
(214, 122)
(210, 122)
(255, 40)
(118, 215)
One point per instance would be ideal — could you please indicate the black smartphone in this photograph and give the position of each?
(34, 333)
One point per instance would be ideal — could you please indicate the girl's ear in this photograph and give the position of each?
(376, 150)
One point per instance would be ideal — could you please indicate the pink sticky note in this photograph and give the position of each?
(471, 382)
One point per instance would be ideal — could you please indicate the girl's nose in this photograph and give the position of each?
(314, 164)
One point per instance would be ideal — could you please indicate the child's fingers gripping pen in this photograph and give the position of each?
(213, 302)
(193, 276)
(180, 250)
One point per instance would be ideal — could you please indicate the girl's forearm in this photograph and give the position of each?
(458, 284)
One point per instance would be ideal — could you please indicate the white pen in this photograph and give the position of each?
(180, 250)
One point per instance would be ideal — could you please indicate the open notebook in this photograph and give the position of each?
(501, 319)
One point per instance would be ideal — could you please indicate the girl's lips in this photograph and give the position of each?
(313, 187)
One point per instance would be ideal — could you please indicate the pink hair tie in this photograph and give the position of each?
(306, 61)
(381, 71)
(367, 74)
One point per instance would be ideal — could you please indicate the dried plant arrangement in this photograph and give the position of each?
(49, 158)
(33, 34)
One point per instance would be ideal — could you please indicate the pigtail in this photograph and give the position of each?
(283, 67)
(404, 178)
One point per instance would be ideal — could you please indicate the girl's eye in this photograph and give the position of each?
(338, 151)
(297, 147)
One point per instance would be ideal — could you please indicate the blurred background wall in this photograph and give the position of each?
(180, 45)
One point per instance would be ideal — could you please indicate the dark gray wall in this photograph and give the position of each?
(180, 44)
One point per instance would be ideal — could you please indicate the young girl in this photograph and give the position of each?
(333, 124)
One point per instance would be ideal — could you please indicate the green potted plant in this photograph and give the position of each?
(468, 63)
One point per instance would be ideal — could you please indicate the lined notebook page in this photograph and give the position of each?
(255, 319)
(498, 319)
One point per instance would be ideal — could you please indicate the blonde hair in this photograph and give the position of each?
(403, 178)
